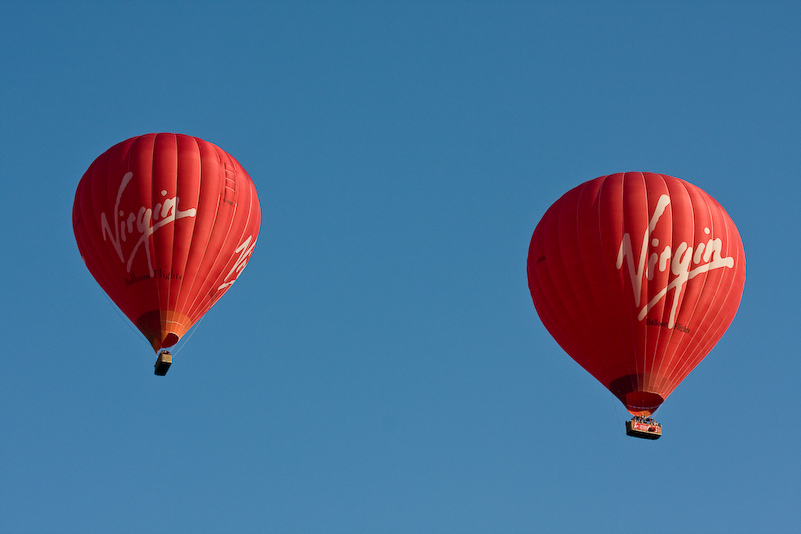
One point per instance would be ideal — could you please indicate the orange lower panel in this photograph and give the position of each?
(163, 328)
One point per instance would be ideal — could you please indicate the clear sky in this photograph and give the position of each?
(379, 366)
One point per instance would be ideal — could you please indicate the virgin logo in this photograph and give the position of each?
(245, 249)
(684, 264)
(140, 225)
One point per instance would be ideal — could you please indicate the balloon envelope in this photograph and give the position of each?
(165, 223)
(636, 276)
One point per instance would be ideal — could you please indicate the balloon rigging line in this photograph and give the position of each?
(185, 340)
(615, 403)
(125, 319)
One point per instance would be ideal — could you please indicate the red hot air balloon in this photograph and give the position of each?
(165, 223)
(636, 276)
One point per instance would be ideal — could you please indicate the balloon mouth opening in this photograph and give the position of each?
(163, 341)
(642, 403)
(163, 329)
(630, 390)
(170, 340)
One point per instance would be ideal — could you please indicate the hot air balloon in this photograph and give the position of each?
(165, 223)
(637, 276)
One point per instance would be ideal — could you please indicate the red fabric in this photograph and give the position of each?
(637, 315)
(165, 223)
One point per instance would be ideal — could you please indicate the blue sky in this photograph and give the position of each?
(379, 366)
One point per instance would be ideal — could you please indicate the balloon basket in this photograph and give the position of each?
(163, 363)
(645, 428)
